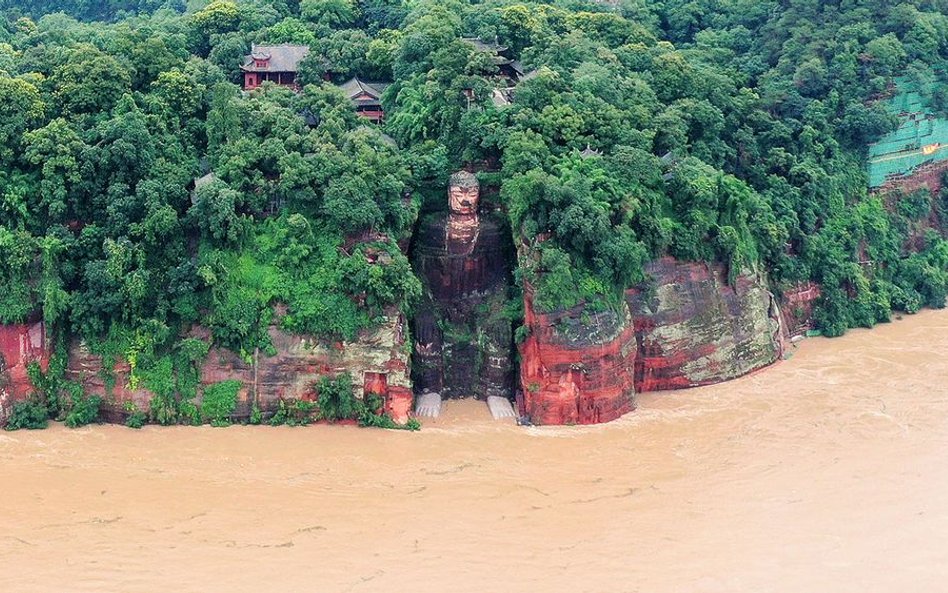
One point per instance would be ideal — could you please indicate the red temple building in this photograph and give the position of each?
(278, 64)
(366, 97)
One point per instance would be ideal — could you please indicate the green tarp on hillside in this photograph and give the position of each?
(920, 138)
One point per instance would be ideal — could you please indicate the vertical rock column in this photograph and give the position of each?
(577, 365)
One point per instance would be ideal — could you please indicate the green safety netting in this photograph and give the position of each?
(920, 138)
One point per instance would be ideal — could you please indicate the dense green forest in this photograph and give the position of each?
(729, 130)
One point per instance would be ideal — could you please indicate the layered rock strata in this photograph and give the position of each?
(694, 328)
(377, 362)
(576, 365)
(686, 326)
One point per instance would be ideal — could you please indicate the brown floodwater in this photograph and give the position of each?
(826, 473)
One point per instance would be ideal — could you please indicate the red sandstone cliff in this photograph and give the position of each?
(87, 368)
(693, 328)
(684, 327)
(19, 345)
(377, 361)
(576, 366)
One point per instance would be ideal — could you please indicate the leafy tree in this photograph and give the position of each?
(21, 109)
(89, 82)
(331, 13)
(217, 18)
(59, 150)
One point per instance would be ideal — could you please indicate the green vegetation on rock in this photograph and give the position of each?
(219, 402)
(31, 414)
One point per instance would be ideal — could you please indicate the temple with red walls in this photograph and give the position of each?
(366, 98)
(278, 64)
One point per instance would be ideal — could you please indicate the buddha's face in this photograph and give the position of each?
(463, 200)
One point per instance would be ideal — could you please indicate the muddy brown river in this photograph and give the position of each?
(826, 473)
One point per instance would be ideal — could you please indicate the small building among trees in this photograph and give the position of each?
(278, 64)
(366, 97)
(506, 67)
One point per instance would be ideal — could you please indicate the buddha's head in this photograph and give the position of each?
(463, 193)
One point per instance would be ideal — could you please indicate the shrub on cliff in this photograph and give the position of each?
(304, 266)
(925, 274)
(49, 384)
(294, 412)
(336, 401)
(370, 413)
(219, 402)
(136, 418)
(31, 414)
(81, 409)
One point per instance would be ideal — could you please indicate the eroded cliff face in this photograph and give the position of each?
(929, 176)
(576, 365)
(377, 362)
(694, 328)
(19, 345)
(684, 327)
(112, 385)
